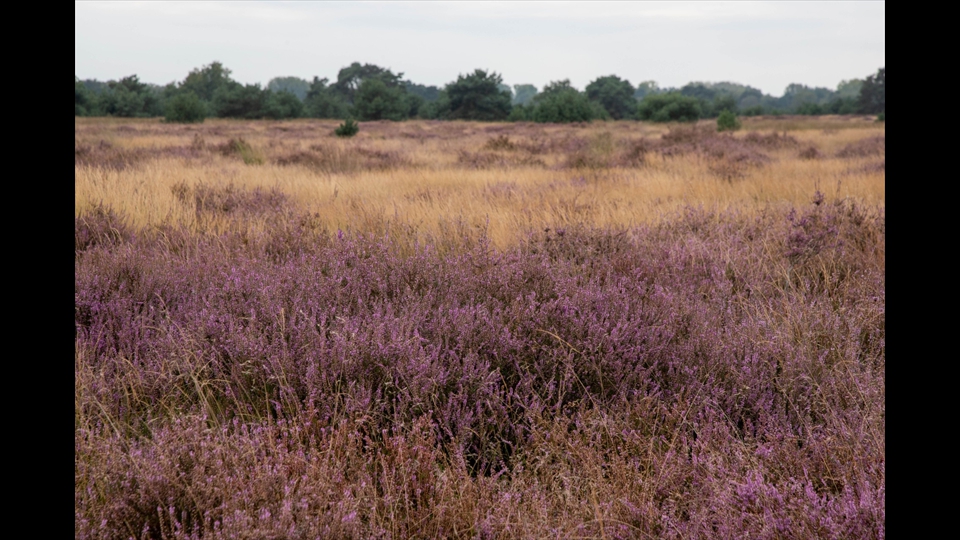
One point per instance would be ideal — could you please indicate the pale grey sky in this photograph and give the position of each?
(767, 45)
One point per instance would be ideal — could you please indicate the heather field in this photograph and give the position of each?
(480, 330)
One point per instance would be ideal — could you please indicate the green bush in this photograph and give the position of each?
(727, 121)
(561, 103)
(235, 100)
(671, 107)
(348, 128)
(185, 108)
(615, 95)
(809, 109)
(520, 113)
(376, 100)
(881, 117)
(282, 104)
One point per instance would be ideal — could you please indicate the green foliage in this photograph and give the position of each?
(756, 110)
(750, 98)
(727, 121)
(506, 88)
(375, 100)
(842, 105)
(809, 109)
(699, 90)
(850, 88)
(128, 97)
(478, 96)
(295, 85)
(94, 86)
(120, 102)
(437, 109)
(348, 128)
(645, 89)
(797, 96)
(873, 94)
(84, 99)
(205, 81)
(714, 98)
(235, 100)
(523, 94)
(185, 108)
(414, 102)
(670, 107)
(615, 95)
(520, 113)
(351, 77)
(723, 102)
(562, 103)
(323, 102)
(282, 104)
(882, 117)
(427, 93)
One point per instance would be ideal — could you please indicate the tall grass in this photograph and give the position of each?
(422, 176)
(639, 332)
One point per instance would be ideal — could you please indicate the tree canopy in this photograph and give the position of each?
(351, 77)
(615, 95)
(322, 102)
(294, 85)
(375, 100)
(671, 107)
(559, 102)
(481, 95)
(523, 93)
(478, 96)
(872, 93)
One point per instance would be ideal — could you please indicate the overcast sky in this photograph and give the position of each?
(767, 45)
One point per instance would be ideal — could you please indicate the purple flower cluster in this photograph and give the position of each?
(711, 376)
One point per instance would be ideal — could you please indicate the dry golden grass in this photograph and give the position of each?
(424, 176)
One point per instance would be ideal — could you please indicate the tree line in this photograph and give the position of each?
(370, 92)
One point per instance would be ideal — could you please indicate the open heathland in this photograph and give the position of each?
(480, 330)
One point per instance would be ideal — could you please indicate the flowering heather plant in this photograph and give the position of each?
(100, 226)
(229, 199)
(106, 156)
(871, 146)
(712, 375)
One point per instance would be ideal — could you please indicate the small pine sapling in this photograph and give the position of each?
(348, 128)
(728, 121)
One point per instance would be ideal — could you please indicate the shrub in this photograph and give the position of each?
(185, 108)
(236, 100)
(727, 121)
(282, 104)
(348, 128)
(671, 107)
(881, 117)
(323, 102)
(615, 95)
(810, 109)
(561, 103)
(376, 100)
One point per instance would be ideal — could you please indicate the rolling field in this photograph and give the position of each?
(480, 330)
